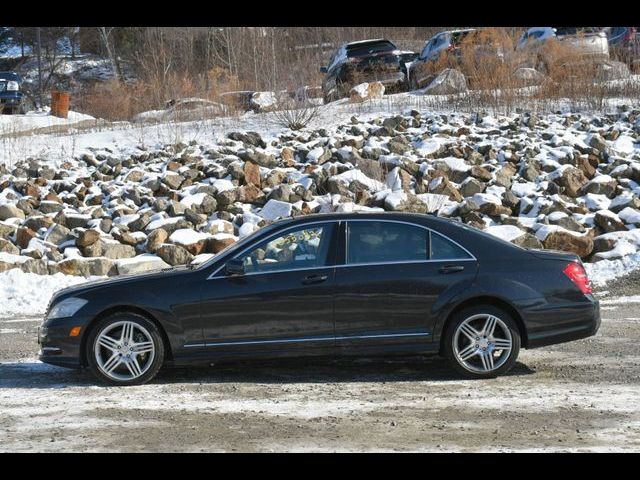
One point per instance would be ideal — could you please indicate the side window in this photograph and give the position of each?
(380, 242)
(444, 249)
(294, 250)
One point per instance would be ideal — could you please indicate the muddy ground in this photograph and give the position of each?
(579, 396)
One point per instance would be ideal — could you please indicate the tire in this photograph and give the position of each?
(113, 359)
(474, 354)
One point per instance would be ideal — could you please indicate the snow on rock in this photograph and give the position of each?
(356, 175)
(195, 199)
(630, 215)
(142, 263)
(505, 232)
(275, 209)
(187, 236)
(624, 144)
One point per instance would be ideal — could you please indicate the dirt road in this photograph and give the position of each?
(580, 396)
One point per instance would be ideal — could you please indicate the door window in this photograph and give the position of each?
(384, 242)
(300, 249)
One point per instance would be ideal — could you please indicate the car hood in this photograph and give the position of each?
(75, 290)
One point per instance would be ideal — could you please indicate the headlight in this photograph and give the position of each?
(13, 86)
(66, 308)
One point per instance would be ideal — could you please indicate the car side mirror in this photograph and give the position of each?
(235, 266)
(323, 69)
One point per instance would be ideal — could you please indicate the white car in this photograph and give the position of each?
(587, 41)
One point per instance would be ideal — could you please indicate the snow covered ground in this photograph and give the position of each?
(33, 121)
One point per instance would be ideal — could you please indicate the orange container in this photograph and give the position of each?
(55, 95)
(62, 104)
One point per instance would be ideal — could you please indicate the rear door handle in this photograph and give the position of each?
(451, 269)
(314, 279)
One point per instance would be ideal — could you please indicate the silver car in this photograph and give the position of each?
(585, 41)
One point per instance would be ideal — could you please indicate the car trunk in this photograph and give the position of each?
(587, 40)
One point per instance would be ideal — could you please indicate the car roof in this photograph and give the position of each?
(10, 76)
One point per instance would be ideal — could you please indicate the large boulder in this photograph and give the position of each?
(194, 242)
(581, 245)
(366, 91)
(262, 102)
(141, 263)
(448, 82)
(174, 254)
(220, 241)
(116, 250)
(611, 70)
(572, 179)
(8, 247)
(87, 237)
(10, 211)
(526, 77)
(87, 267)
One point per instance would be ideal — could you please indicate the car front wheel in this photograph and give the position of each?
(482, 342)
(125, 349)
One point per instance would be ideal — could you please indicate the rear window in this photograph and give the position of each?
(368, 48)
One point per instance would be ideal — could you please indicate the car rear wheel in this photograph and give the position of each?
(125, 349)
(482, 342)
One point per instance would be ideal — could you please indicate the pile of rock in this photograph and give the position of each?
(568, 182)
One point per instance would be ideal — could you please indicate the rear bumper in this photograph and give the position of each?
(567, 323)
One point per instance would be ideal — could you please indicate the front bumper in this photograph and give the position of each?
(564, 323)
(57, 347)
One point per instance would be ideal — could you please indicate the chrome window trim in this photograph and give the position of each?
(471, 258)
(275, 235)
(306, 339)
(430, 230)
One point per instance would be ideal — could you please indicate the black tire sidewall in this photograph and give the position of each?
(130, 317)
(462, 315)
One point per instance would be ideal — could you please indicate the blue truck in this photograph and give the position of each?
(11, 95)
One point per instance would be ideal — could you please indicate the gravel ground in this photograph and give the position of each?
(579, 396)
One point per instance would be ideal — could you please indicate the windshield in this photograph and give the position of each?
(235, 246)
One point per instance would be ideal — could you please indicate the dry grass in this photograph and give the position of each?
(114, 100)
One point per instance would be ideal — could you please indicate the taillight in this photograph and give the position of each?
(576, 273)
(631, 33)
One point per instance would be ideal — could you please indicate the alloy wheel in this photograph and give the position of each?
(482, 343)
(124, 350)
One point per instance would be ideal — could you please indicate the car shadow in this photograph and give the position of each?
(37, 375)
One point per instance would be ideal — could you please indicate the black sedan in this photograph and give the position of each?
(325, 285)
(365, 61)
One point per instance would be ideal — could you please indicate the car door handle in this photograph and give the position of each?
(314, 279)
(451, 269)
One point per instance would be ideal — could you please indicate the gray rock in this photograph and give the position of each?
(10, 211)
(8, 247)
(57, 234)
(174, 254)
(471, 186)
(259, 158)
(449, 81)
(117, 250)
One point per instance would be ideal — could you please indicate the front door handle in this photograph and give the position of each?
(451, 269)
(314, 279)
